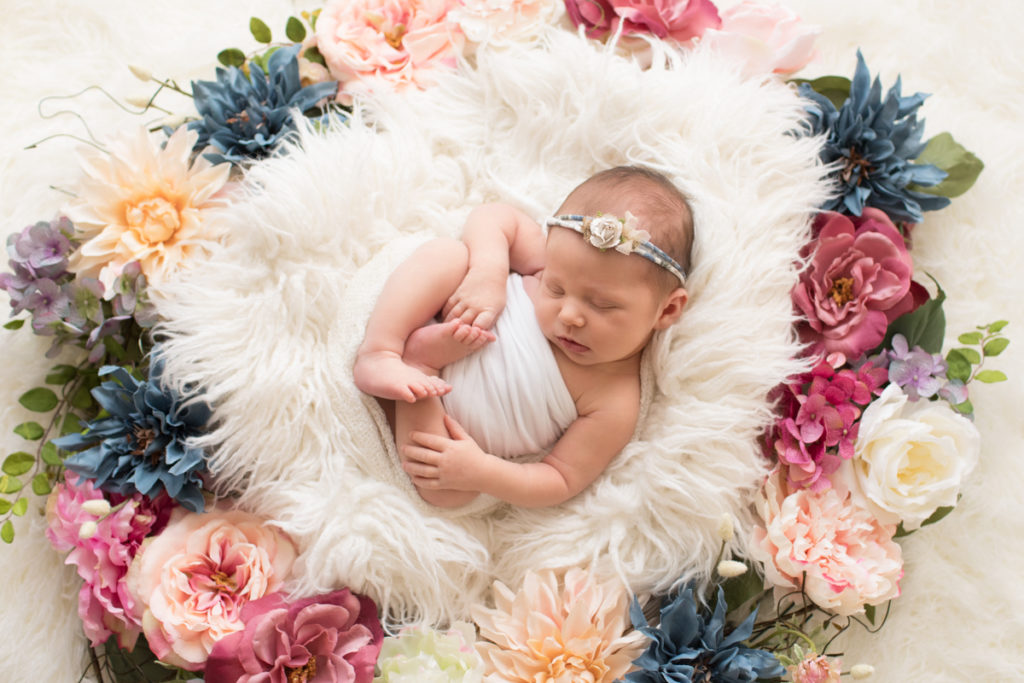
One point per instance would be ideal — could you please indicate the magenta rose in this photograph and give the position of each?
(679, 20)
(333, 638)
(857, 283)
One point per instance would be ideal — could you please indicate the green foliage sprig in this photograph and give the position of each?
(295, 31)
(965, 362)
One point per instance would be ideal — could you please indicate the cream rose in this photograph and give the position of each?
(910, 457)
(605, 232)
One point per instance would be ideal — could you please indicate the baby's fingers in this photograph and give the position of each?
(418, 454)
(419, 470)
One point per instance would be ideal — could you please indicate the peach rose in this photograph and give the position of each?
(191, 581)
(374, 45)
(843, 556)
(764, 38)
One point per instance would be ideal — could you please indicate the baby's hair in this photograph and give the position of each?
(663, 209)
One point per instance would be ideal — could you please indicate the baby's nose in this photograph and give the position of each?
(570, 314)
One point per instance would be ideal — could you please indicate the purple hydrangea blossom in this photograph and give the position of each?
(921, 374)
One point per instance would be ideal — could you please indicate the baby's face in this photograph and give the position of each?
(596, 307)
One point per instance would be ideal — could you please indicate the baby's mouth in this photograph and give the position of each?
(570, 345)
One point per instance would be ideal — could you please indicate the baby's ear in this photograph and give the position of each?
(672, 308)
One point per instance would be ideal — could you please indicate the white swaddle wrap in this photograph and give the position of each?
(510, 396)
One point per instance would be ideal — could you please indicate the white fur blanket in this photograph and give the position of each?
(282, 306)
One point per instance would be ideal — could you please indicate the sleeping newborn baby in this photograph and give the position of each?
(560, 370)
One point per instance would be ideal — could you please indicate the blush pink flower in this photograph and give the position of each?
(575, 631)
(840, 555)
(764, 38)
(497, 21)
(816, 669)
(858, 282)
(192, 580)
(386, 45)
(333, 638)
(678, 20)
(146, 202)
(102, 558)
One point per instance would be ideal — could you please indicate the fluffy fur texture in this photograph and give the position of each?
(525, 128)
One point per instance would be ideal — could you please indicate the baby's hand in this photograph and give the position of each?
(439, 462)
(478, 300)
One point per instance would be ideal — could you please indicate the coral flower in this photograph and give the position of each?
(146, 203)
(191, 581)
(575, 633)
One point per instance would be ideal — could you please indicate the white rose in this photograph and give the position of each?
(911, 457)
(605, 232)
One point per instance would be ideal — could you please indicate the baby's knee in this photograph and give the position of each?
(447, 250)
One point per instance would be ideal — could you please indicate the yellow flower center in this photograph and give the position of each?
(303, 674)
(154, 219)
(223, 583)
(842, 290)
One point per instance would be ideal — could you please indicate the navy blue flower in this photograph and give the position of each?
(142, 445)
(244, 117)
(687, 649)
(874, 141)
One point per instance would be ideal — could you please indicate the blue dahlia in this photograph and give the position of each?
(142, 445)
(686, 648)
(244, 117)
(874, 141)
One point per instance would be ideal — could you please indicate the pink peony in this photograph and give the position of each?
(839, 553)
(102, 558)
(764, 38)
(857, 283)
(333, 638)
(386, 45)
(816, 669)
(498, 21)
(192, 581)
(678, 20)
(576, 632)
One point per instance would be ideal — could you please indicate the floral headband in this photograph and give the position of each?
(605, 231)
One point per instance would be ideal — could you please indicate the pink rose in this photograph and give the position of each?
(764, 38)
(386, 44)
(333, 638)
(679, 20)
(192, 581)
(839, 553)
(112, 536)
(857, 283)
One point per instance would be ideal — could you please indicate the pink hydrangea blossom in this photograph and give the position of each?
(191, 581)
(678, 20)
(387, 45)
(102, 558)
(858, 282)
(333, 638)
(816, 668)
(839, 554)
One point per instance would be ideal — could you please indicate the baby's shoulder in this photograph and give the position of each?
(616, 394)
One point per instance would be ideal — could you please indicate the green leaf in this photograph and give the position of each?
(71, 425)
(7, 532)
(835, 88)
(260, 31)
(996, 346)
(18, 463)
(962, 167)
(14, 324)
(61, 374)
(29, 430)
(20, 507)
(970, 355)
(997, 326)
(50, 455)
(9, 484)
(937, 515)
(39, 400)
(958, 367)
(82, 398)
(740, 589)
(970, 338)
(231, 56)
(924, 327)
(965, 408)
(313, 55)
(990, 376)
(295, 30)
(139, 665)
(869, 612)
(5, 506)
(41, 484)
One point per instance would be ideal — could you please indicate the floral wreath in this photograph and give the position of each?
(174, 588)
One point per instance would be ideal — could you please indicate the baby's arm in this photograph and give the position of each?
(499, 238)
(582, 453)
